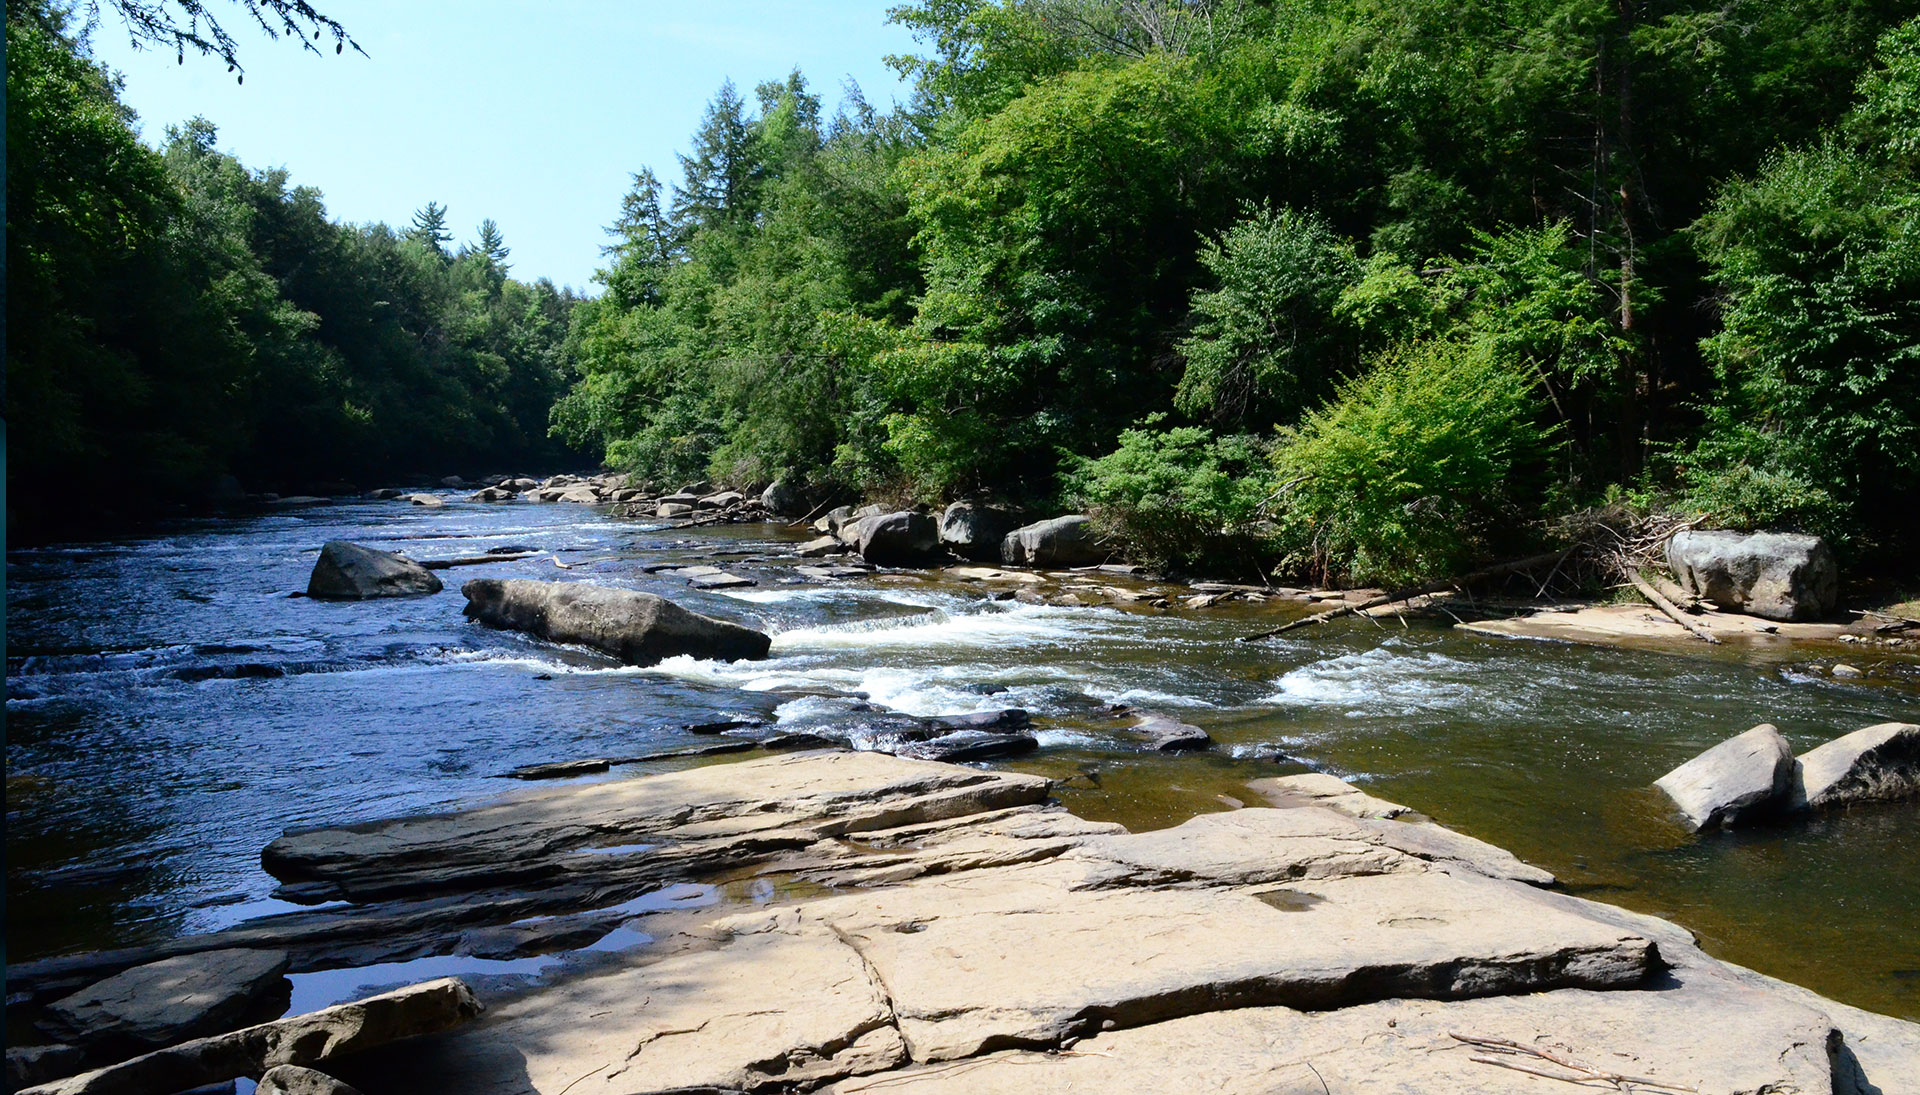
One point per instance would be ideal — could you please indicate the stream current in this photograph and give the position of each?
(170, 709)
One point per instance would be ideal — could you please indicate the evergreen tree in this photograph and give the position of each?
(493, 245)
(722, 174)
(430, 227)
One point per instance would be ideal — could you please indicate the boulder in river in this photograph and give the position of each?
(172, 1000)
(783, 499)
(1776, 575)
(637, 628)
(974, 531)
(1740, 778)
(350, 572)
(1166, 734)
(1878, 764)
(431, 501)
(897, 539)
(308, 1039)
(1062, 542)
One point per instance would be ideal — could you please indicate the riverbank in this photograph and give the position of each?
(888, 924)
(171, 710)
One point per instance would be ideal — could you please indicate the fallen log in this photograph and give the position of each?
(1660, 602)
(1681, 598)
(1407, 594)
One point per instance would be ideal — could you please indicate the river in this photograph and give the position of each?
(171, 708)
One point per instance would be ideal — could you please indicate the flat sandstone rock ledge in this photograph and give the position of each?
(982, 941)
(1608, 624)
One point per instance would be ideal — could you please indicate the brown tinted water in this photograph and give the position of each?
(170, 710)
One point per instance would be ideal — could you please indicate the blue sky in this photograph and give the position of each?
(535, 114)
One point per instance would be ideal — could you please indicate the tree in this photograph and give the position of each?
(722, 173)
(430, 227)
(191, 24)
(493, 245)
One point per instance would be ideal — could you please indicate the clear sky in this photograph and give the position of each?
(533, 113)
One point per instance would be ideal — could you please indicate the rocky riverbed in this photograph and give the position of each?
(906, 925)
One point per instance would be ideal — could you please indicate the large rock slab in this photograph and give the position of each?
(905, 538)
(172, 1000)
(349, 572)
(1744, 777)
(1778, 575)
(637, 628)
(1878, 764)
(1017, 956)
(1062, 542)
(974, 531)
(308, 1039)
(766, 1011)
(294, 1080)
(1321, 789)
(1754, 1042)
(801, 798)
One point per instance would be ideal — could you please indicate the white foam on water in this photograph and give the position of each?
(1381, 681)
(1140, 696)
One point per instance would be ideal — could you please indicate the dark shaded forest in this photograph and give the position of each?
(181, 327)
(1368, 290)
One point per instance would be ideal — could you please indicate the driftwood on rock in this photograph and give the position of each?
(1660, 602)
(1500, 571)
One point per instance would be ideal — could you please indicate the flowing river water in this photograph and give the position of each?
(170, 709)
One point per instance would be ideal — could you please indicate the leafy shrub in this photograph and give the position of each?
(1265, 340)
(1180, 498)
(1415, 470)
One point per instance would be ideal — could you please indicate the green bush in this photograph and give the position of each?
(1417, 468)
(1181, 498)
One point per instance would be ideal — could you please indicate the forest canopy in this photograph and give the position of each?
(1366, 289)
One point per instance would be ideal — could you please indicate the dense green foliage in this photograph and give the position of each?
(1372, 289)
(1437, 270)
(173, 317)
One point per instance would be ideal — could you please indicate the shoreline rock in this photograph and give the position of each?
(920, 915)
(1779, 576)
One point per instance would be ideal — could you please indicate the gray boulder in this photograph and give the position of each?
(637, 628)
(1878, 764)
(431, 501)
(1062, 542)
(783, 499)
(428, 1008)
(974, 531)
(905, 538)
(672, 509)
(1777, 575)
(1165, 734)
(295, 1080)
(172, 1000)
(1736, 780)
(834, 518)
(349, 572)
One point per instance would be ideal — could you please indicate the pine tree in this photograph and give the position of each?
(430, 227)
(722, 175)
(493, 245)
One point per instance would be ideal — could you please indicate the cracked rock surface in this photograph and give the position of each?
(898, 925)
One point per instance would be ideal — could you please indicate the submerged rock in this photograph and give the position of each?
(637, 628)
(1880, 763)
(1165, 734)
(1062, 542)
(1735, 781)
(172, 1000)
(1780, 576)
(350, 572)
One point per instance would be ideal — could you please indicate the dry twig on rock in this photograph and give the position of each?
(1581, 1071)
